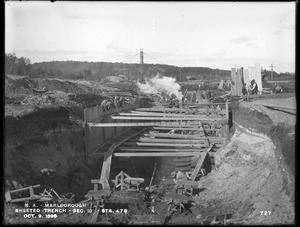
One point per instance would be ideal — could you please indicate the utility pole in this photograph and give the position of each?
(272, 66)
(141, 62)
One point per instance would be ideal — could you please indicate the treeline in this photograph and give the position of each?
(98, 70)
(17, 66)
(266, 75)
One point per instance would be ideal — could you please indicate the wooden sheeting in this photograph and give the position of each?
(179, 129)
(175, 118)
(149, 114)
(106, 166)
(161, 149)
(164, 144)
(164, 124)
(154, 154)
(179, 136)
(183, 168)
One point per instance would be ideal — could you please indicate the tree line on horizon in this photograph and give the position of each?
(76, 70)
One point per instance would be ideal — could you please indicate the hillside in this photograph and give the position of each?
(99, 70)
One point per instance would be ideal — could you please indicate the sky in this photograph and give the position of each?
(201, 34)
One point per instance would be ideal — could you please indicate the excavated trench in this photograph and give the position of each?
(254, 171)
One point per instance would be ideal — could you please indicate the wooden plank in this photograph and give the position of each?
(168, 118)
(96, 212)
(200, 162)
(173, 112)
(160, 109)
(154, 154)
(180, 136)
(148, 140)
(163, 115)
(163, 144)
(143, 124)
(182, 118)
(161, 149)
(205, 104)
(178, 129)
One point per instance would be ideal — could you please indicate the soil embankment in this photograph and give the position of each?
(46, 138)
(277, 125)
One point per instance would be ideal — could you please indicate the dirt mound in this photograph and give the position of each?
(18, 87)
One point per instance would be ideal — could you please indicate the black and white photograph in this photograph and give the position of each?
(149, 113)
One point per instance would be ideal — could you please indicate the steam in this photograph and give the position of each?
(161, 85)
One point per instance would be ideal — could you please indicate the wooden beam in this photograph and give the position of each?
(180, 136)
(148, 140)
(160, 149)
(162, 115)
(163, 144)
(204, 104)
(199, 163)
(160, 109)
(143, 124)
(184, 111)
(157, 154)
(182, 118)
(178, 129)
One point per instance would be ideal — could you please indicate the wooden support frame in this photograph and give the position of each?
(161, 149)
(149, 140)
(180, 136)
(195, 145)
(149, 114)
(155, 154)
(145, 124)
(175, 118)
(178, 129)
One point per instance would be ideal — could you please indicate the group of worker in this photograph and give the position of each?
(116, 102)
(252, 88)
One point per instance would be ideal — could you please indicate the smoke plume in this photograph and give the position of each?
(161, 85)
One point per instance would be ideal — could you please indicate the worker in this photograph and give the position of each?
(121, 101)
(116, 101)
(249, 89)
(108, 104)
(103, 105)
(278, 89)
(244, 90)
(254, 87)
